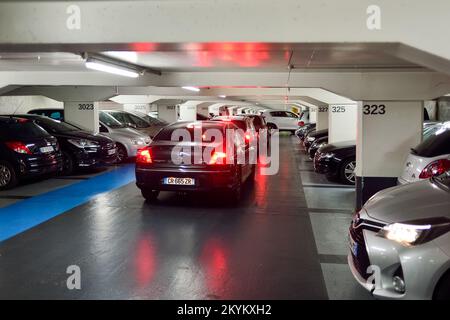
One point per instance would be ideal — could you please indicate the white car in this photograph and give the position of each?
(430, 158)
(281, 120)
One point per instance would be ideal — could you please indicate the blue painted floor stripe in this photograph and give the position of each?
(28, 213)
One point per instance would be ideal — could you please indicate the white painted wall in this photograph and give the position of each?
(23, 104)
(167, 113)
(203, 110)
(188, 112)
(322, 117)
(313, 115)
(384, 140)
(342, 123)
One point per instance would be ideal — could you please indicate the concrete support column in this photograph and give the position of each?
(386, 131)
(84, 114)
(313, 115)
(139, 107)
(168, 113)
(342, 122)
(322, 117)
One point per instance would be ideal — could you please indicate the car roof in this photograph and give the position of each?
(9, 118)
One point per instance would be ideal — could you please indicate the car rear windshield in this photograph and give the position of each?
(437, 144)
(166, 133)
(21, 130)
(56, 126)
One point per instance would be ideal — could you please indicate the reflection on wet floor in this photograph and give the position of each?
(270, 246)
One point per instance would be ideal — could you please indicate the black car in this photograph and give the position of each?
(80, 149)
(316, 145)
(191, 171)
(337, 161)
(313, 136)
(26, 150)
(303, 131)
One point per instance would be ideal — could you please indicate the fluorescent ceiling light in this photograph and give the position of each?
(111, 68)
(191, 89)
(222, 96)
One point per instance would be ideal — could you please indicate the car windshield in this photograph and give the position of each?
(435, 145)
(55, 125)
(110, 121)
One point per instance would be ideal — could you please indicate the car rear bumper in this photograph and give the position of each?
(39, 165)
(205, 180)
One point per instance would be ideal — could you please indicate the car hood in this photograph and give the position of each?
(128, 133)
(338, 146)
(151, 131)
(83, 135)
(420, 200)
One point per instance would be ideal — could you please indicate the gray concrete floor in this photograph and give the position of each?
(286, 240)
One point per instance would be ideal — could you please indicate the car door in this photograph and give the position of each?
(290, 120)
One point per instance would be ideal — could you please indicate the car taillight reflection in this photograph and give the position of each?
(144, 156)
(18, 147)
(435, 168)
(145, 262)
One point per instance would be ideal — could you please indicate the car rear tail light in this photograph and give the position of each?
(218, 158)
(144, 156)
(18, 147)
(301, 123)
(435, 168)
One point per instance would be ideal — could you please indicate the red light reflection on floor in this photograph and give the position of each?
(214, 260)
(145, 264)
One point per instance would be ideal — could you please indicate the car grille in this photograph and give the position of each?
(362, 261)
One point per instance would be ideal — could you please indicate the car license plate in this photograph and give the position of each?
(47, 149)
(179, 181)
(353, 246)
(111, 151)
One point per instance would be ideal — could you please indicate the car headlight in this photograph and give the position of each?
(83, 143)
(327, 155)
(416, 232)
(139, 142)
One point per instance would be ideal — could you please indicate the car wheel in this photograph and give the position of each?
(8, 178)
(68, 163)
(150, 195)
(442, 291)
(122, 154)
(347, 172)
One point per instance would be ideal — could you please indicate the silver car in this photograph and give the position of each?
(429, 158)
(128, 141)
(400, 241)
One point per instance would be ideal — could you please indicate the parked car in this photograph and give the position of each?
(156, 171)
(138, 121)
(337, 161)
(320, 142)
(26, 150)
(128, 140)
(303, 131)
(244, 123)
(79, 148)
(429, 158)
(404, 234)
(313, 136)
(304, 118)
(281, 120)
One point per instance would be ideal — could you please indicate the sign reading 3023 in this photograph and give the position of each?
(85, 106)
